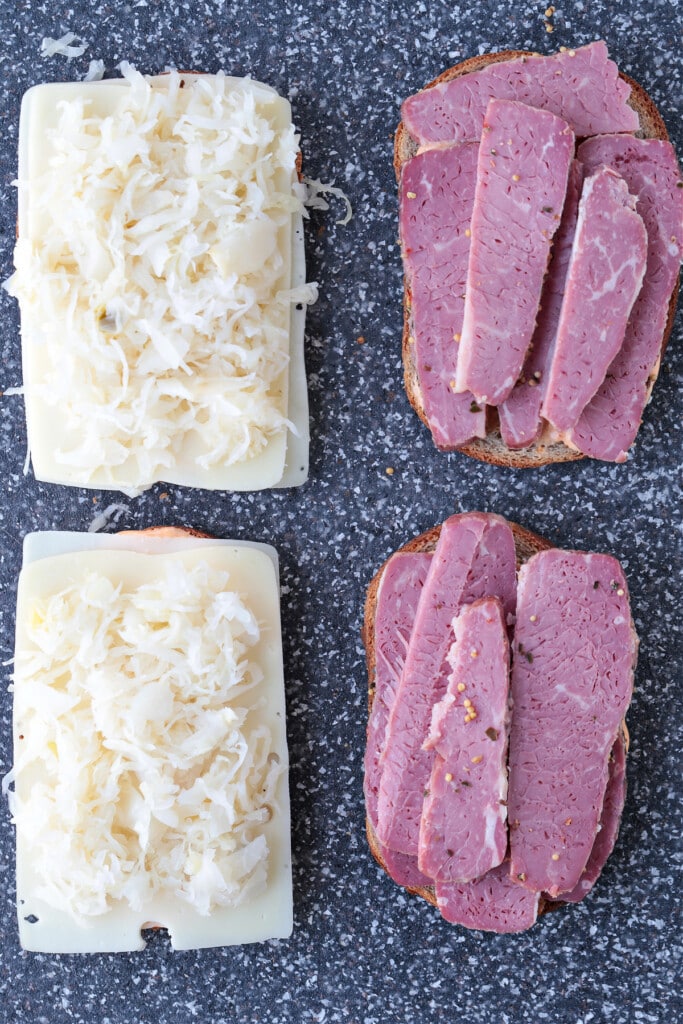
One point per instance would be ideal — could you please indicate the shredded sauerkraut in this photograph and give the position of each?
(111, 513)
(315, 190)
(95, 72)
(147, 773)
(68, 45)
(159, 285)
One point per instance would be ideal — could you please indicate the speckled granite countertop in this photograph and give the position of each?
(363, 952)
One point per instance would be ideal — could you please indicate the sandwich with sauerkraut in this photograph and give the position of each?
(161, 280)
(150, 752)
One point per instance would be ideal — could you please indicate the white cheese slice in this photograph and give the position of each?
(52, 561)
(283, 459)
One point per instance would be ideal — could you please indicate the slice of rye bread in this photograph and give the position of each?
(527, 544)
(492, 448)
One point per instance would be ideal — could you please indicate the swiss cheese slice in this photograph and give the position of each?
(61, 564)
(158, 339)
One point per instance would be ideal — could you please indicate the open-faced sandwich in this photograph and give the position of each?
(161, 280)
(150, 751)
(500, 670)
(541, 222)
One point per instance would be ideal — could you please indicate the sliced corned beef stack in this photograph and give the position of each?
(500, 363)
(441, 818)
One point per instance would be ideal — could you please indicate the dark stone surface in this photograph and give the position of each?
(362, 951)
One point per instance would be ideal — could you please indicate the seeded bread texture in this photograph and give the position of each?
(492, 448)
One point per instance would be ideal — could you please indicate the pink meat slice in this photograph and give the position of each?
(436, 196)
(475, 557)
(397, 599)
(615, 797)
(581, 86)
(463, 832)
(604, 278)
(522, 174)
(403, 869)
(493, 903)
(571, 682)
(520, 413)
(608, 425)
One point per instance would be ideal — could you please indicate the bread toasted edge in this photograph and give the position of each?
(167, 532)
(492, 448)
(527, 543)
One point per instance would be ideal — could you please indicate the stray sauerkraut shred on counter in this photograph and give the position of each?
(160, 284)
(68, 45)
(133, 714)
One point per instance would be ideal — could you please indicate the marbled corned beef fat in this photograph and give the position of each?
(603, 281)
(520, 413)
(463, 831)
(574, 655)
(474, 557)
(397, 598)
(608, 425)
(493, 903)
(436, 195)
(610, 818)
(581, 86)
(522, 174)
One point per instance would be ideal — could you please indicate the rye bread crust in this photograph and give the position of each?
(492, 448)
(169, 532)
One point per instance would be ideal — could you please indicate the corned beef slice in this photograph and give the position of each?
(493, 903)
(436, 196)
(609, 423)
(604, 278)
(571, 681)
(397, 598)
(402, 868)
(581, 86)
(475, 557)
(463, 833)
(522, 174)
(520, 413)
(613, 805)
